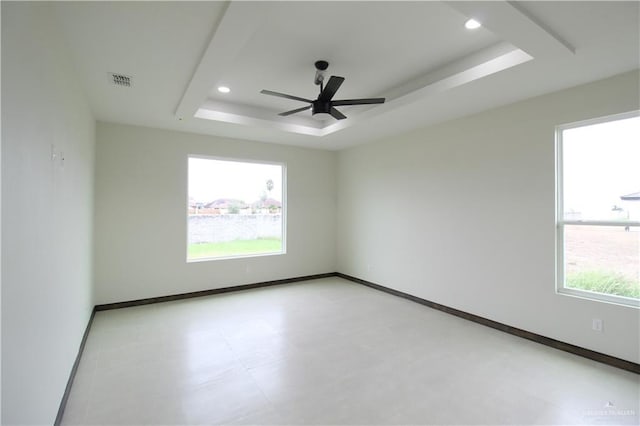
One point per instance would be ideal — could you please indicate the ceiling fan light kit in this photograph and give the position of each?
(324, 106)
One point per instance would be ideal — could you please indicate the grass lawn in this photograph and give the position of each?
(234, 248)
(603, 282)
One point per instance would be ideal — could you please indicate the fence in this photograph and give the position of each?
(219, 228)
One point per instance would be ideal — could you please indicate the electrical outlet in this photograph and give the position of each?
(596, 325)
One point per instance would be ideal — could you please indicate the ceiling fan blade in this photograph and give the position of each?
(358, 101)
(282, 95)
(293, 111)
(331, 88)
(337, 114)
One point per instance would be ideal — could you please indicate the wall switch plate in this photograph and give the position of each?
(596, 325)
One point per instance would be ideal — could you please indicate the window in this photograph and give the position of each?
(598, 201)
(235, 208)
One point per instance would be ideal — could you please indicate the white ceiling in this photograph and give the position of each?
(416, 54)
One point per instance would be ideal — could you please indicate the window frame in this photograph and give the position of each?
(283, 165)
(561, 222)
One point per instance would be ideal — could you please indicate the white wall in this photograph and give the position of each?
(46, 215)
(462, 214)
(0, 230)
(140, 222)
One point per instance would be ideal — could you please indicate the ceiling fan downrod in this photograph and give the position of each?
(321, 67)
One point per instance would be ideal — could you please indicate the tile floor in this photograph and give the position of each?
(330, 352)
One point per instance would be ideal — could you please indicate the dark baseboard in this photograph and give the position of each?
(74, 369)
(556, 344)
(211, 292)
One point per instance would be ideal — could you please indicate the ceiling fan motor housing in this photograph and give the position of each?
(319, 106)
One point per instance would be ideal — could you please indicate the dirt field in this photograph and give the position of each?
(603, 248)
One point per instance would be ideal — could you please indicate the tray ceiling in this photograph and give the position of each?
(418, 55)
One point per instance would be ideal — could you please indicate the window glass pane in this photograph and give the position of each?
(235, 208)
(603, 259)
(601, 171)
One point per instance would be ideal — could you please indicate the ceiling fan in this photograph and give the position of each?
(324, 105)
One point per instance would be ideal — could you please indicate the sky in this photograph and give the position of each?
(601, 162)
(211, 179)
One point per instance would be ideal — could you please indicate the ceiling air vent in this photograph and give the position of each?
(120, 80)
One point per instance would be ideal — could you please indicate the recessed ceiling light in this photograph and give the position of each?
(472, 24)
(223, 89)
